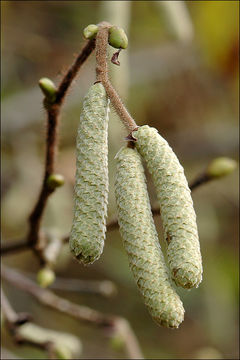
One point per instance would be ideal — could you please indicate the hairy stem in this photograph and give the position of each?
(102, 76)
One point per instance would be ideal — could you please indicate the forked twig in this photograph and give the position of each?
(116, 325)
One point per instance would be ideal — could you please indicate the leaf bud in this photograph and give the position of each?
(45, 277)
(48, 88)
(90, 31)
(54, 181)
(117, 38)
(221, 166)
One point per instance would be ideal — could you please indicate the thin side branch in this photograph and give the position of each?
(117, 325)
(21, 245)
(73, 71)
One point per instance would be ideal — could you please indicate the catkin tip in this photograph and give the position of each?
(186, 278)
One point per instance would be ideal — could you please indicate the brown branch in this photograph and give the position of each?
(21, 245)
(199, 180)
(53, 111)
(117, 325)
(73, 71)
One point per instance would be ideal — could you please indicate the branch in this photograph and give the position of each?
(21, 245)
(117, 325)
(53, 111)
(14, 321)
(73, 71)
(104, 288)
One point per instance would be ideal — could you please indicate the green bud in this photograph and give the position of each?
(45, 277)
(63, 352)
(117, 342)
(48, 88)
(221, 166)
(90, 31)
(54, 181)
(117, 38)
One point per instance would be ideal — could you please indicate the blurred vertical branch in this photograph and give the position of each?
(177, 19)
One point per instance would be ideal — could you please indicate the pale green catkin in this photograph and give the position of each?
(91, 185)
(140, 240)
(176, 206)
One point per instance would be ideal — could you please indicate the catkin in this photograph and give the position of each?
(140, 240)
(91, 185)
(176, 206)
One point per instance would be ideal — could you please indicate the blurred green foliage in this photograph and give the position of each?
(190, 93)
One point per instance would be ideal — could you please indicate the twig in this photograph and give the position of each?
(48, 298)
(102, 76)
(13, 323)
(115, 324)
(104, 288)
(21, 245)
(53, 111)
(199, 180)
(73, 71)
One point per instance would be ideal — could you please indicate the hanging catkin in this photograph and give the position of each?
(140, 240)
(91, 185)
(176, 206)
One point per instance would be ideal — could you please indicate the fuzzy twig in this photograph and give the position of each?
(117, 325)
(102, 76)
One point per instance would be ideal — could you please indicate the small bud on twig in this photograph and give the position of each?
(62, 352)
(90, 31)
(45, 277)
(117, 38)
(220, 167)
(48, 88)
(54, 181)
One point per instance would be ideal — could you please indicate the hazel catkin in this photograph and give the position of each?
(140, 240)
(176, 206)
(91, 185)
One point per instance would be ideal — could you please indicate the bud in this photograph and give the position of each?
(48, 88)
(176, 207)
(140, 240)
(62, 351)
(221, 166)
(54, 181)
(45, 277)
(90, 31)
(117, 38)
(91, 184)
(117, 342)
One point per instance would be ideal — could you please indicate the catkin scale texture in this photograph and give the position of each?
(140, 240)
(91, 184)
(176, 206)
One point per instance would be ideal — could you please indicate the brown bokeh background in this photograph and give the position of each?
(180, 75)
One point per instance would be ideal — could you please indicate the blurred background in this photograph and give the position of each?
(180, 75)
